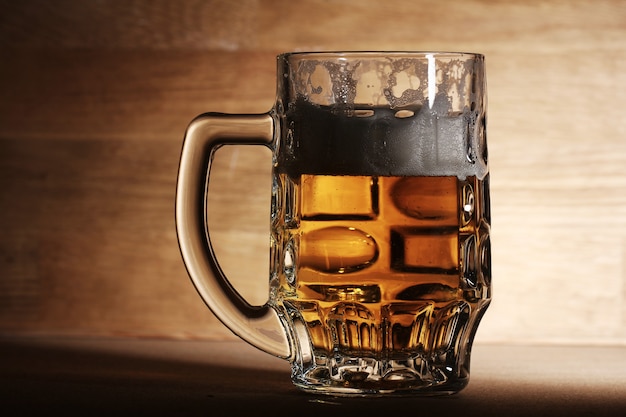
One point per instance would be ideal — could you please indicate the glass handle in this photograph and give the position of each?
(260, 326)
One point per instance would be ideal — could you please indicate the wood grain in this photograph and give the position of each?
(95, 98)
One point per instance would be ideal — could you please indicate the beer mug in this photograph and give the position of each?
(380, 266)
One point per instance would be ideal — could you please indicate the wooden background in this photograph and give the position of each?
(95, 98)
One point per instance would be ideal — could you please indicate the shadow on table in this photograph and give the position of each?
(44, 379)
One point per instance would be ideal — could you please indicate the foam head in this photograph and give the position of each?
(383, 114)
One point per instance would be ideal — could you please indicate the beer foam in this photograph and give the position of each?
(392, 80)
(386, 116)
(376, 142)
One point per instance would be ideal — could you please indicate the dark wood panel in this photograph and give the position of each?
(283, 25)
(154, 24)
(88, 235)
(138, 95)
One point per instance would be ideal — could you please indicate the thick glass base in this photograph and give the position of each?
(368, 377)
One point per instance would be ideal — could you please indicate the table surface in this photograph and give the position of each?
(173, 377)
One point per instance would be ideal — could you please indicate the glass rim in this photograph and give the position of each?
(381, 54)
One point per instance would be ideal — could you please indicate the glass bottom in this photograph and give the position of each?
(369, 377)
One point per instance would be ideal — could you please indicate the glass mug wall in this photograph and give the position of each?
(380, 252)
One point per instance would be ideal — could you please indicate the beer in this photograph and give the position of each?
(383, 268)
(388, 268)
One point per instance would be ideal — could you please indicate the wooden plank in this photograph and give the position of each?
(136, 95)
(283, 25)
(89, 242)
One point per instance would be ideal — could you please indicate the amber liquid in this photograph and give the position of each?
(386, 267)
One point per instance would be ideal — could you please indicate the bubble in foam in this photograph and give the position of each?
(403, 114)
